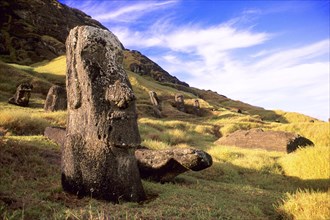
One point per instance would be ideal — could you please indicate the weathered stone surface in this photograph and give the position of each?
(22, 95)
(268, 140)
(102, 133)
(164, 165)
(56, 134)
(179, 102)
(56, 99)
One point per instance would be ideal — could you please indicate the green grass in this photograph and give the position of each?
(241, 183)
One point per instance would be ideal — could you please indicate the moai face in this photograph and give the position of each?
(179, 98)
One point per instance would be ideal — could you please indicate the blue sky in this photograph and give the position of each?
(272, 54)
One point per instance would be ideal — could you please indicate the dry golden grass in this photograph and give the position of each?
(308, 163)
(305, 204)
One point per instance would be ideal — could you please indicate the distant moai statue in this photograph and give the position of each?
(56, 99)
(22, 95)
(155, 104)
(102, 132)
(197, 109)
(179, 102)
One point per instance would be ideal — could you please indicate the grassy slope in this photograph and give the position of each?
(241, 184)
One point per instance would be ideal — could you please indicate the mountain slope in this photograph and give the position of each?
(36, 30)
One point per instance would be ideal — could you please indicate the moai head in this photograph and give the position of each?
(179, 98)
(196, 103)
(98, 84)
(22, 95)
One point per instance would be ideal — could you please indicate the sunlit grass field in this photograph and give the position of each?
(241, 184)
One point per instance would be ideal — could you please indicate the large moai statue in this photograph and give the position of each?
(56, 99)
(179, 102)
(102, 132)
(22, 95)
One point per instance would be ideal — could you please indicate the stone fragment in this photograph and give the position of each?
(102, 133)
(22, 95)
(56, 99)
(268, 140)
(179, 102)
(164, 165)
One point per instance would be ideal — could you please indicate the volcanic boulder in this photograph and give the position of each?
(102, 132)
(268, 140)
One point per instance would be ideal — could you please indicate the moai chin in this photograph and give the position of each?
(102, 132)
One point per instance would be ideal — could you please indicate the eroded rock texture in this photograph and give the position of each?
(22, 95)
(164, 165)
(56, 99)
(102, 133)
(268, 140)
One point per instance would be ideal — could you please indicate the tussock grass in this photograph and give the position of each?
(308, 163)
(318, 132)
(305, 204)
(259, 160)
(22, 123)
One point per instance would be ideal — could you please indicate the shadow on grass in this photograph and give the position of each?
(30, 181)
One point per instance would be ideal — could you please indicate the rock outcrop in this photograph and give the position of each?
(142, 65)
(164, 165)
(102, 132)
(22, 95)
(56, 99)
(33, 31)
(268, 140)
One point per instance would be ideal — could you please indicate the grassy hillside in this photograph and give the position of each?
(241, 184)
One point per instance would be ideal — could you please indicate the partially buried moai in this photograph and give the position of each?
(156, 105)
(102, 132)
(56, 99)
(179, 102)
(197, 109)
(22, 95)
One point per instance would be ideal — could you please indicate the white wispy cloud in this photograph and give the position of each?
(120, 11)
(209, 56)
